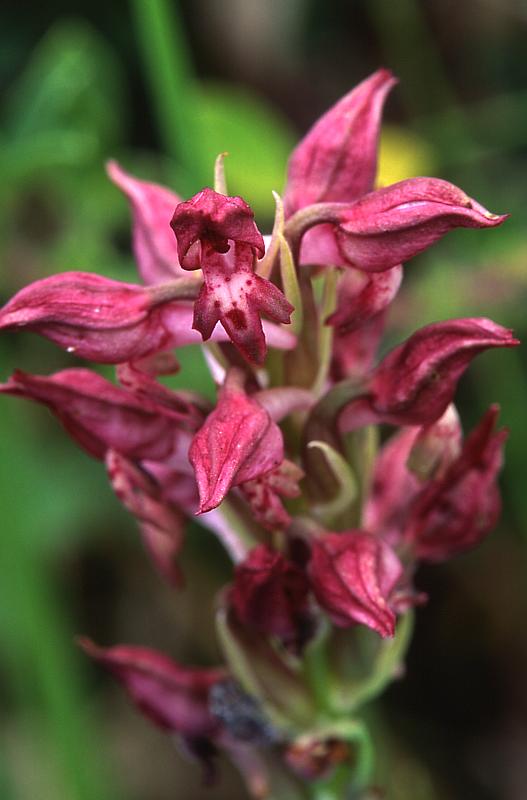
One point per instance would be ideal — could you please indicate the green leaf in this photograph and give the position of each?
(72, 83)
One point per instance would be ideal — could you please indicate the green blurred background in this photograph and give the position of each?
(164, 87)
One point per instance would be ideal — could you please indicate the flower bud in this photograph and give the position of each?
(99, 415)
(238, 442)
(353, 574)
(396, 223)
(337, 159)
(456, 511)
(173, 697)
(270, 595)
(154, 247)
(97, 318)
(415, 383)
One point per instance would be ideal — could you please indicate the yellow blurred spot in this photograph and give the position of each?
(402, 155)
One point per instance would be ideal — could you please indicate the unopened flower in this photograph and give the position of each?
(416, 381)
(238, 442)
(160, 522)
(173, 697)
(270, 595)
(98, 414)
(353, 575)
(155, 249)
(456, 511)
(396, 223)
(337, 160)
(100, 319)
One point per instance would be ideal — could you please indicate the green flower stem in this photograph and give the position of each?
(348, 696)
(316, 671)
(361, 447)
(242, 538)
(325, 337)
(327, 791)
(365, 756)
(178, 289)
(220, 180)
(356, 775)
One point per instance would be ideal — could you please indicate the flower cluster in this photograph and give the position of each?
(325, 528)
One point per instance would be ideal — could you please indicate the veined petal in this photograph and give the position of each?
(173, 697)
(161, 524)
(415, 383)
(184, 407)
(99, 415)
(353, 574)
(396, 223)
(94, 317)
(152, 206)
(238, 442)
(337, 159)
(455, 512)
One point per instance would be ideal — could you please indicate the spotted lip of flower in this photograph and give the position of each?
(218, 234)
(353, 574)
